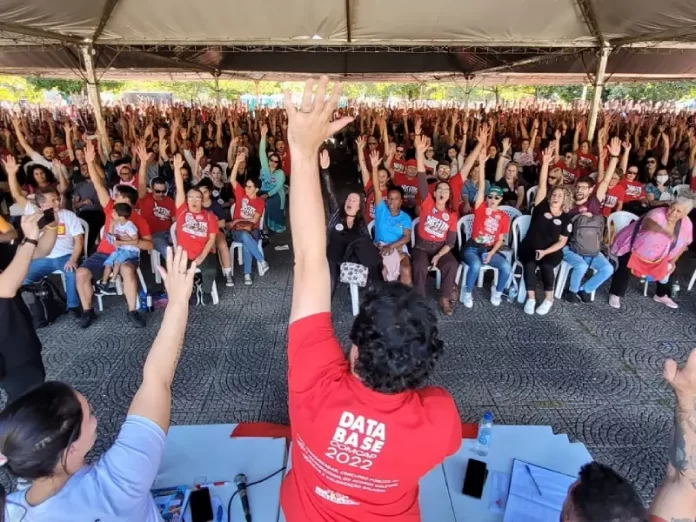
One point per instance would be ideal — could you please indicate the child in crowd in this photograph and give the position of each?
(122, 229)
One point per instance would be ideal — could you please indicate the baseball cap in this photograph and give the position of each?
(411, 163)
(495, 189)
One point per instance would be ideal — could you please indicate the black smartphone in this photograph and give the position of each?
(475, 478)
(201, 507)
(48, 217)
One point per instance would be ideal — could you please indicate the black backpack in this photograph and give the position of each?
(44, 301)
(587, 235)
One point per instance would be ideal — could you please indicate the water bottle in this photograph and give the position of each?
(483, 441)
(674, 293)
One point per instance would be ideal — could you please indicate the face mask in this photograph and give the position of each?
(662, 179)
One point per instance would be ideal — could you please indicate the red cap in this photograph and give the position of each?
(411, 163)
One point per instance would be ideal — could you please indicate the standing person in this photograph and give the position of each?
(374, 398)
(46, 434)
(507, 178)
(21, 367)
(272, 186)
(542, 247)
(246, 220)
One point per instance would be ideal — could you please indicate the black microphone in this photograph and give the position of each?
(241, 483)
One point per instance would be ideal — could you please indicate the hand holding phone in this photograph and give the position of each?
(48, 217)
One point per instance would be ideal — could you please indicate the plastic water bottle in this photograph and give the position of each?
(674, 293)
(483, 441)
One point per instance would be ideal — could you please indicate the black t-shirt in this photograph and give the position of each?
(544, 231)
(509, 194)
(222, 194)
(19, 343)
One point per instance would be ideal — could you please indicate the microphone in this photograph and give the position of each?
(241, 482)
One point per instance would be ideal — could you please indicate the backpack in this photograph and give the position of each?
(44, 301)
(587, 235)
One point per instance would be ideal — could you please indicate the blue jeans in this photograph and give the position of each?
(250, 247)
(40, 268)
(120, 256)
(161, 242)
(579, 266)
(473, 257)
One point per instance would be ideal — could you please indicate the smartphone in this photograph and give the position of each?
(475, 478)
(201, 506)
(48, 217)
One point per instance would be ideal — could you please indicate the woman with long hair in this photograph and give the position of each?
(507, 178)
(272, 186)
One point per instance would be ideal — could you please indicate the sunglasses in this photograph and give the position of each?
(272, 160)
(634, 172)
(652, 161)
(160, 191)
(493, 196)
(400, 151)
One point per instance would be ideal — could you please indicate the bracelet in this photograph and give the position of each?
(617, 157)
(50, 227)
(29, 241)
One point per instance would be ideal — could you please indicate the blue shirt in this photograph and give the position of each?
(470, 190)
(389, 228)
(115, 489)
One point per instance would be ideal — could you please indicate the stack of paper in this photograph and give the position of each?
(536, 494)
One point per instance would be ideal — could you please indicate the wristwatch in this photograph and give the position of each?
(30, 241)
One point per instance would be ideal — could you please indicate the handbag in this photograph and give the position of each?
(657, 269)
(354, 274)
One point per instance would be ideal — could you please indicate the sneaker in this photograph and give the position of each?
(87, 317)
(544, 307)
(263, 268)
(615, 301)
(228, 279)
(206, 298)
(247, 279)
(77, 312)
(468, 300)
(667, 301)
(585, 297)
(496, 297)
(572, 297)
(529, 306)
(102, 288)
(136, 319)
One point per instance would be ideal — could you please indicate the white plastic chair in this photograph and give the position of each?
(438, 274)
(85, 227)
(156, 262)
(238, 246)
(371, 229)
(512, 212)
(467, 222)
(531, 196)
(119, 286)
(562, 279)
(520, 227)
(214, 290)
(692, 282)
(681, 190)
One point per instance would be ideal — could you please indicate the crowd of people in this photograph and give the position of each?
(442, 190)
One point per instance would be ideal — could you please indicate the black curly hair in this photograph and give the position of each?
(397, 339)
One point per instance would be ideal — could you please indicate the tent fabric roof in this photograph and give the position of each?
(352, 38)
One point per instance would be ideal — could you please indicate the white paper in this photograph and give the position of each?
(536, 494)
(282, 247)
(500, 487)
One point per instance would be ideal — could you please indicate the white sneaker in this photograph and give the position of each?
(468, 300)
(496, 297)
(544, 307)
(615, 301)
(529, 306)
(263, 268)
(247, 279)
(667, 301)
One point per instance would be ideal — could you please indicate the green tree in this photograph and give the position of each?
(65, 87)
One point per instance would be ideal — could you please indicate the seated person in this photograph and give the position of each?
(491, 227)
(246, 220)
(92, 268)
(7, 237)
(392, 228)
(408, 182)
(205, 186)
(272, 186)
(196, 233)
(657, 240)
(69, 245)
(507, 178)
(635, 197)
(366, 173)
(436, 234)
(659, 191)
(584, 247)
(46, 434)
(471, 185)
(121, 229)
(542, 247)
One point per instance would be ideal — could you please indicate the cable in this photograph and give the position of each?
(229, 504)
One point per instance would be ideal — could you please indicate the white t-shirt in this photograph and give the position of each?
(69, 226)
(121, 230)
(115, 489)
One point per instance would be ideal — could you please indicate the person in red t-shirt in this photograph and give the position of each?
(246, 220)
(364, 428)
(587, 162)
(490, 228)
(408, 181)
(436, 234)
(284, 153)
(196, 231)
(365, 169)
(614, 200)
(93, 267)
(635, 198)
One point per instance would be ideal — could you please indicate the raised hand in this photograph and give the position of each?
(143, 154)
(11, 166)
(178, 161)
(324, 160)
(30, 225)
(241, 157)
(361, 142)
(199, 153)
(615, 146)
(548, 153)
(264, 130)
(178, 279)
(90, 153)
(421, 144)
(374, 158)
(482, 135)
(506, 145)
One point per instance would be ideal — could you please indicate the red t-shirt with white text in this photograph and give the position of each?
(409, 185)
(193, 229)
(434, 225)
(615, 195)
(570, 176)
(357, 454)
(633, 190)
(158, 214)
(399, 166)
(139, 221)
(489, 224)
(245, 208)
(587, 163)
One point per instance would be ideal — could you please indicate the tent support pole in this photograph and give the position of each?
(217, 89)
(599, 87)
(93, 92)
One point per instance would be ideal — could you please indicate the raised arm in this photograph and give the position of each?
(481, 192)
(503, 159)
(665, 149)
(21, 138)
(67, 130)
(481, 139)
(153, 398)
(325, 163)
(364, 171)
(235, 170)
(57, 169)
(374, 160)
(11, 167)
(576, 135)
(626, 144)
(614, 151)
(676, 499)
(532, 138)
(179, 181)
(100, 189)
(142, 172)
(307, 130)
(547, 157)
(263, 157)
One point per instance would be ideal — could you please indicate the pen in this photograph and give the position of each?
(212, 484)
(533, 479)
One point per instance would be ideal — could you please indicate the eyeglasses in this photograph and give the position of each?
(273, 161)
(160, 191)
(372, 143)
(400, 151)
(493, 196)
(429, 150)
(443, 190)
(194, 197)
(652, 161)
(634, 172)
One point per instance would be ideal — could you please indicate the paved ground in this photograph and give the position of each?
(586, 370)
